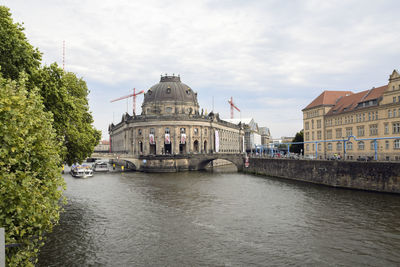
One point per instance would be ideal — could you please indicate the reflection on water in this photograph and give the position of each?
(220, 219)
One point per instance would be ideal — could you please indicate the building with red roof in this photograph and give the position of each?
(349, 125)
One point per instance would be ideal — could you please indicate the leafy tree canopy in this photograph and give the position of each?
(63, 94)
(298, 148)
(16, 54)
(30, 179)
(66, 97)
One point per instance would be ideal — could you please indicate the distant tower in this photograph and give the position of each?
(63, 59)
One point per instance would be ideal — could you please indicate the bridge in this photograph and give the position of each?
(175, 163)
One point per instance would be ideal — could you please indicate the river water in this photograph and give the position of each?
(220, 219)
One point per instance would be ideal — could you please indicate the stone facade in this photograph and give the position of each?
(358, 118)
(373, 176)
(171, 124)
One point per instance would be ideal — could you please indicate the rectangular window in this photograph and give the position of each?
(386, 144)
(318, 124)
(394, 99)
(349, 131)
(339, 133)
(319, 135)
(329, 146)
(307, 125)
(369, 116)
(360, 130)
(307, 137)
(139, 131)
(396, 127)
(196, 131)
(396, 144)
(389, 113)
(152, 131)
(386, 128)
(329, 134)
(183, 130)
(394, 113)
(312, 135)
(373, 129)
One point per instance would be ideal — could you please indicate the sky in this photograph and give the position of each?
(272, 57)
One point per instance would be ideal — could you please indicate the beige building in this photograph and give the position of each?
(360, 125)
(171, 123)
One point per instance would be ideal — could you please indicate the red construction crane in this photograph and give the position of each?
(134, 98)
(232, 106)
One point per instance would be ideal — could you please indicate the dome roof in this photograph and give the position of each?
(170, 88)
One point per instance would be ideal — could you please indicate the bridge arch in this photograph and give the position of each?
(236, 160)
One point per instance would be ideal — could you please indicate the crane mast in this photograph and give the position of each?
(130, 95)
(233, 106)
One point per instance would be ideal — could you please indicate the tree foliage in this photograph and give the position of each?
(16, 54)
(298, 148)
(30, 179)
(63, 94)
(44, 120)
(66, 97)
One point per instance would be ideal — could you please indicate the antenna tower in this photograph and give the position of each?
(63, 59)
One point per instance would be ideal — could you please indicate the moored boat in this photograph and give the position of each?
(100, 166)
(81, 171)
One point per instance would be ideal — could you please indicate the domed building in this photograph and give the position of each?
(171, 124)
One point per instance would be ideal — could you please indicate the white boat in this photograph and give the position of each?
(81, 171)
(100, 166)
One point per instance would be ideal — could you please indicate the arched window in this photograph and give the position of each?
(372, 145)
(349, 146)
(360, 145)
(339, 146)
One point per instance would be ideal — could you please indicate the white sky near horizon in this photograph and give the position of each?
(272, 57)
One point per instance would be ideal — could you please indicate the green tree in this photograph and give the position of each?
(298, 148)
(63, 94)
(30, 180)
(16, 54)
(66, 96)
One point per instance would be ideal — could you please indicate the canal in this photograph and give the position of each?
(220, 219)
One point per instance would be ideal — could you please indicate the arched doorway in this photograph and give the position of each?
(205, 147)
(196, 146)
(182, 148)
(153, 148)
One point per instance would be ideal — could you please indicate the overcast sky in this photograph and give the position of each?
(272, 57)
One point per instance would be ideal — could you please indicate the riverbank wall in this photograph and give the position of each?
(372, 176)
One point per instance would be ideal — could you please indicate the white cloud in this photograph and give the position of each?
(282, 53)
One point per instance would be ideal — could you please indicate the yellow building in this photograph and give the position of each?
(355, 126)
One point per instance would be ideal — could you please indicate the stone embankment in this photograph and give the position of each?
(373, 176)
